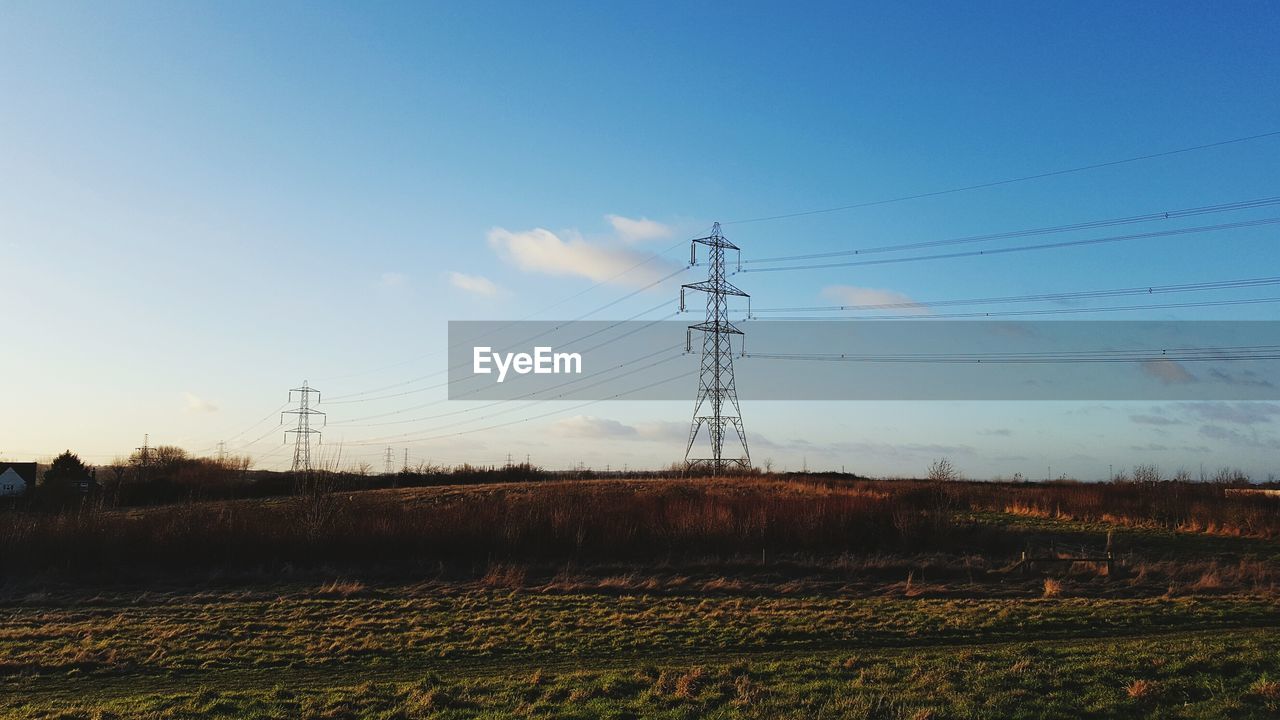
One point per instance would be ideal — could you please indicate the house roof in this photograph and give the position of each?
(26, 471)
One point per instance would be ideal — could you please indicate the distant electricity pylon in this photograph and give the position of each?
(303, 431)
(390, 468)
(144, 452)
(715, 381)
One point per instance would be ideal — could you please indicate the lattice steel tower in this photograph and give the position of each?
(716, 387)
(303, 431)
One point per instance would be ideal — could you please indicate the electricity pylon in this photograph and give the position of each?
(303, 431)
(716, 387)
(144, 452)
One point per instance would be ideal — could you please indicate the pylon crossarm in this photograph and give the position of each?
(724, 328)
(721, 288)
(716, 240)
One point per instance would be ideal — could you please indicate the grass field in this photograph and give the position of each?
(430, 652)
(1187, 625)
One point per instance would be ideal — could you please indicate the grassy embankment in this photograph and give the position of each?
(726, 599)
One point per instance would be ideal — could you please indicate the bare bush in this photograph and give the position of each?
(1146, 474)
(941, 470)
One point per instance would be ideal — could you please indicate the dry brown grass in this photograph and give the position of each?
(502, 575)
(1141, 689)
(1208, 581)
(341, 589)
(690, 683)
(1265, 688)
(1052, 588)
(746, 692)
(511, 523)
(1207, 508)
(491, 528)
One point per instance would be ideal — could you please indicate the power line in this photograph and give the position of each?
(535, 337)
(1011, 234)
(361, 396)
(1054, 311)
(1027, 248)
(533, 393)
(546, 414)
(1230, 353)
(401, 436)
(256, 423)
(518, 397)
(1040, 297)
(997, 183)
(531, 315)
(261, 437)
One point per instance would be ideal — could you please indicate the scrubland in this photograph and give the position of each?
(797, 596)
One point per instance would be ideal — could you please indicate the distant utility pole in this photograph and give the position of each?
(390, 463)
(144, 452)
(222, 451)
(406, 459)
(716, 386)
(303, 431)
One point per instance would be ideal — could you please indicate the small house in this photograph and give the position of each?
(16, 479)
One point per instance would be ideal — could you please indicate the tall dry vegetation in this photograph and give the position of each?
(560, 521)
(1214, 508)
(324, 525)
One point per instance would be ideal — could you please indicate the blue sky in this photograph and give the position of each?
(205, 203)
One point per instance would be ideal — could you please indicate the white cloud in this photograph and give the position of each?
(393, 280)
(664, 431)
(589, 426)
(542, 251)
(196, 404)
(473, 283)
(633, 230)
(850, 295)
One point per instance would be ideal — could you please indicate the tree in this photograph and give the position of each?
(1146, 474)
(164, 457)
(942, 470)
(64, 477)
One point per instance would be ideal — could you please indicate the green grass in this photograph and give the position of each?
(1198, 676)
(428, 651)
(426, 626)
(1188, 627)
